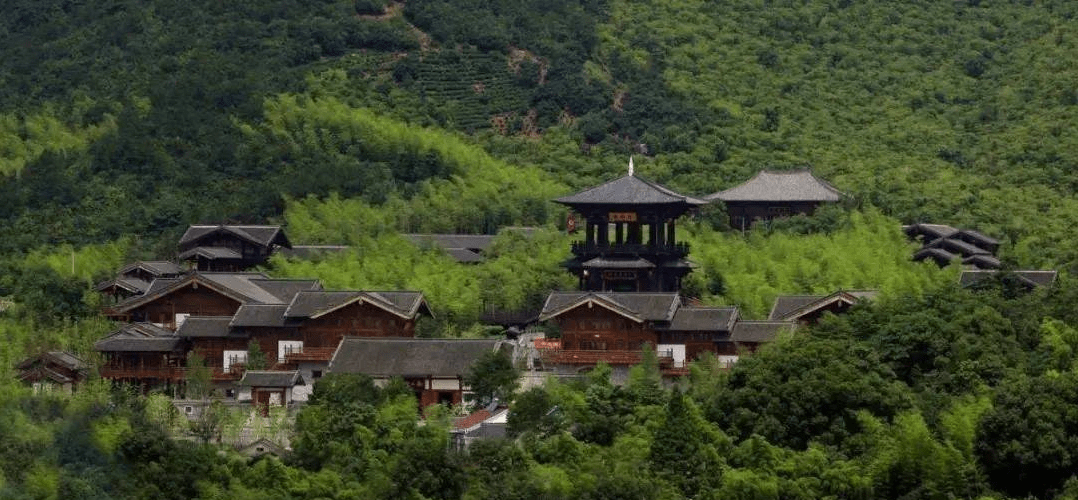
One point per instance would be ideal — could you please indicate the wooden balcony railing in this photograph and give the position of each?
(309, 354)
(581, 248)
(163, 373)
(589, 357)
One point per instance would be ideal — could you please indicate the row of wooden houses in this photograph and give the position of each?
(629, 266)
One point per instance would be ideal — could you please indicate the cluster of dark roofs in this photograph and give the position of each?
(945, 244)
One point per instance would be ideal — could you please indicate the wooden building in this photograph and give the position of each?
(769, 195)
(144, 355)
(295, 323)
(615, 328)
(630, 240)
(230, 248)
(434, 368)
(52, 371)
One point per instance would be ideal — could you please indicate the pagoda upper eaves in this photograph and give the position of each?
(629, 190)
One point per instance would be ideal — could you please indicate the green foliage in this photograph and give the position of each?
(805, 389)
(256, 359)
(868, 252)
(198, 381)
(907, 461)
(1026, 441)
(493, 377)
(687, 451)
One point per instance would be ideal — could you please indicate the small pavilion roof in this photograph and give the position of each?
(154, 267)
(795, 185)
(629, 190)
(267, 378)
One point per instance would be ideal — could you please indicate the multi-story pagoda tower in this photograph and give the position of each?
(630, 242)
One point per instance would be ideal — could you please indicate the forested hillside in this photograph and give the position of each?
(352, 122)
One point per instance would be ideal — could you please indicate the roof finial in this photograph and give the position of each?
(630, 165)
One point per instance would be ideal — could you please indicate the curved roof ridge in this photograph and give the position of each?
(781, 185)
(629, 189)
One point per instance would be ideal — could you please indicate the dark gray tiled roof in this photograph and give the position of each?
(382, 357)
(478, 242)
(251, 315)
(312, 251)
(257, 287)
(265, 378)
(929, 232)
(615, 263)
(629, 190)
(941, 256)
(62, 358)
(139, 337)
(67, 360)
(792, 307)
(260, 235)
(285, 289)
(463, 255)
(706, 319)
(957, 246)
(1029, 277)
(407, 302)
(314, 304)
(798, 185)
(213, 253)
(983, 261)
(246, 288)
(977, 238)
(639, 306)
(205, 327)
(786, 304)
(758, 331)
(154, 267)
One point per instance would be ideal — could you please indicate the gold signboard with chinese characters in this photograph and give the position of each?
(621, 217)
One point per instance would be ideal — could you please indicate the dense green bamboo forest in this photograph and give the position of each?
(355, 122)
